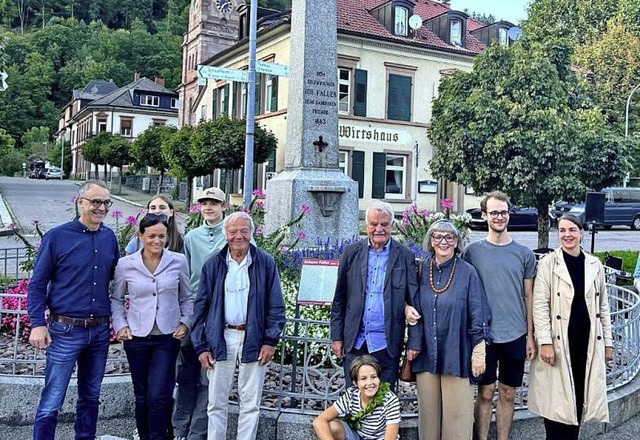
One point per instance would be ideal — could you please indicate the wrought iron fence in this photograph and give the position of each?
(307, 377)
(10, 261)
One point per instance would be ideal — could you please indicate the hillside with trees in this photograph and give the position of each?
(49, 48)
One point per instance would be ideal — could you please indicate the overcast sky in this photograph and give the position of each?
(511, 10)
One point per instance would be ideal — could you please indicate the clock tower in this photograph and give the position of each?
(213, 27)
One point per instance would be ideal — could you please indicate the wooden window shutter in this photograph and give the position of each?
(274, 93)
(378, 175)
(399, 98)
(360, 101)
(357, 170)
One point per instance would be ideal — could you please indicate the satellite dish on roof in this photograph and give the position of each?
(514, 33)
(415, 22)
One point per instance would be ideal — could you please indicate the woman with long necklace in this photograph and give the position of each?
(447, 345)
(573, 331)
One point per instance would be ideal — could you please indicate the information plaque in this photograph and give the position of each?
(318, 281)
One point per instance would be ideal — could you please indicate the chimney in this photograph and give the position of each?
(136, 75)
(159, 81)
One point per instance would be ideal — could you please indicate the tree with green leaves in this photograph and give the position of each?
(92, 151)
(220, 143)
(6, 144)
(146, 150)
(36, 141)
(521, 118)
(116, 153)
(55, 156)
(177, 150)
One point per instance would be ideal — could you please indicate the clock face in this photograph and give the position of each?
(224, 5)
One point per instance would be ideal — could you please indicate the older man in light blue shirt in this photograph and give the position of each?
(376, 278)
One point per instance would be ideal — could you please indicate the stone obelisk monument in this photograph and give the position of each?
(311, 175)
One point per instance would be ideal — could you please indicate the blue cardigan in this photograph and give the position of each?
(265, 309)
(452, 322)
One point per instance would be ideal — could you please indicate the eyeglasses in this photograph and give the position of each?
(97, 203)
(449, 238)
(156, 217)
(495, 214)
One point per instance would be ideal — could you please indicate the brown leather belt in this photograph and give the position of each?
(240, 327)
(80, 322)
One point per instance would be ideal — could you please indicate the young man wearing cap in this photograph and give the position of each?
(190, 413)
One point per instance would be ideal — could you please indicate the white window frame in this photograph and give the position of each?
(150, 100)
(403, 169)
(102, 125)
(401, 21)
(126, 131)
(346, 94)
(455, 38)
(268, 93)
(503, 36)
(203, 112)
(175, 103)
(343, 161)
(243, 100)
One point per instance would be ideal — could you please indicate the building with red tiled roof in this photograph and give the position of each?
(392, 55)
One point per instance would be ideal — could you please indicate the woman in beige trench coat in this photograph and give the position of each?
(567, 382)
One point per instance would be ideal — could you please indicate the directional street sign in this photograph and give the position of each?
(3, 84)
(272, 68)
(224, 74)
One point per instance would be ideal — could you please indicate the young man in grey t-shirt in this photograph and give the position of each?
(506, 269)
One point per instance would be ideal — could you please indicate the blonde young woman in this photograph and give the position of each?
(573, 332)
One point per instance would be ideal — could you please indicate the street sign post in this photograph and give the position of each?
(3, 83)
(222, 73)
(272, 68)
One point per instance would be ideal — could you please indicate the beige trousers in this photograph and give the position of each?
(445, 407)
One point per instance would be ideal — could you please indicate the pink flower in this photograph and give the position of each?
(259, 204)
(116, 214)
(306, 209)
(195, 208)
(259, 230)
(301, 235)
(446, 204)
(258, 193)
(131, 220)
(75, 198)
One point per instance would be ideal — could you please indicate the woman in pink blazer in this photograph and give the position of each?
(156, 282)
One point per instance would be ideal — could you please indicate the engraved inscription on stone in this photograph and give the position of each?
(320, 94)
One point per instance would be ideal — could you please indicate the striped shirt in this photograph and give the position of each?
(374, 425)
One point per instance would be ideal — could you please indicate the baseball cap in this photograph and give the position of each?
(212, 193)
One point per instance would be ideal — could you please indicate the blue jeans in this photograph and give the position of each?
(389, 366)
(70, 344)
(190, 418)
(152, 362)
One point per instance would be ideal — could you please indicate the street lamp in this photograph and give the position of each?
(626, 117)
(626, 121)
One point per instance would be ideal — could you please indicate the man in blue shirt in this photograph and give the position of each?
(376, 278)
(71, 278)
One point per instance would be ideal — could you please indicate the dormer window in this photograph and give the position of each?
(401, 20)
(455, 33)
(503, 36)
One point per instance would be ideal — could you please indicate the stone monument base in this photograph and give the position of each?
(332, 196)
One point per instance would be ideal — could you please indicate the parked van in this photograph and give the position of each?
(621, 208)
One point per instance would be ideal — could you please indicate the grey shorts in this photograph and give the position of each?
(349, 432)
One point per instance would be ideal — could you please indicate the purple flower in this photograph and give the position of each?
(259, 230)
(75, 198)
(259, 204)
(258, 193)
(195, 208)
(116, 214)
(35, 222)
(446, 204)
(301, 235)
(131, 220)
(306, 209)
